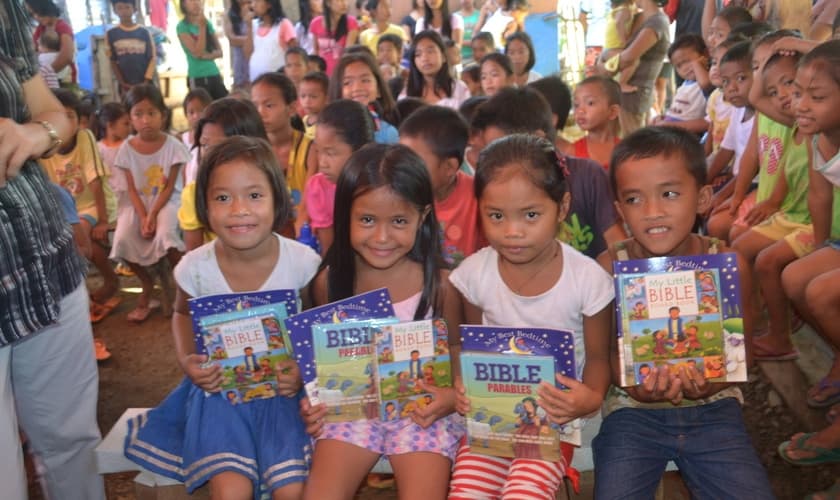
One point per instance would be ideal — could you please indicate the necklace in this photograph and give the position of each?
(518, 289)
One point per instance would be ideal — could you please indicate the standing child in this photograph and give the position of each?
(344, 126)
(333, 31)
(690, 58)
(597, 104)
(357, 77)
(77, 167)
(528, 278)
(150, 162)
(195, 102)
(130, 48)
(240, 449)
(312, 95)
(659, 177)
(237, 26)
(201, 46)
(271, 35)
(439, 136)
(429, 77)
(387, 235)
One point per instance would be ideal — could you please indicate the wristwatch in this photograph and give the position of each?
(55, 140)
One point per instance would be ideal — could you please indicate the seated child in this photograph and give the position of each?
(559, 97)
(312, 94)
(471, 76)
(482, 43)
(496, 73)
(679, 417)
(690, 59)
(597, 104)
(389, 49)
(718, 114)
(194, 103)
(439, 136)
(295, 65)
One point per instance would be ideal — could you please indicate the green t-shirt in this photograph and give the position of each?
(773, 139)
(197, 68)
(469, 26)
(795, 163)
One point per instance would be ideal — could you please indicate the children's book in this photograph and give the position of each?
(248, 345)
(230, 302)
(505, 420)
(406, 354)
(358, 350)
(680, 312)
(558, 345)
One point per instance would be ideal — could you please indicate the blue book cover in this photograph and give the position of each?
(407, 353)
(230, 302)
(505, 420)
(680, 311)
(526, 341)
(248, 345)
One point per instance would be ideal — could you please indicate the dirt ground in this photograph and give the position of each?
(143, 369)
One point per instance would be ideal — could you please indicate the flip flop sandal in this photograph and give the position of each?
(822, 455)
(831, 400)
(100, 350)
(141, 313)
(98, 311)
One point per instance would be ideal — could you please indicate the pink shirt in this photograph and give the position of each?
(319, 196)
(328, 47)
(458, 217)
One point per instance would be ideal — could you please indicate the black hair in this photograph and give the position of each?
(468, 108)
(318, 77)
(741, 53)
(305, 15)
(396, 41)
(749, 31)
(689, 41)
(234, 14)
(474, 72)
(275, 11)
(254, 150)
(199, 94)
(299, 51)
(234, 116)
(396, 86)
(68, 99)
(408, 105)
(778, 57)
(142, 92)
(281, 82)
(773, 36)
(386, 107)
(558, 95)
(660, 141)
(609, 87)
(108, 113)
(50, 39)
(734, 15)
(443, 79)
(516, 110)
(350, 120)
(46, 8)
(826, 58)
(535, 156)
(499, 59)
(446, 25)
(353, 49)
(442, 129)
(322, 64)
(403, 172)
(525, 38)
(341, 25)
(130, 2)
(486, 37)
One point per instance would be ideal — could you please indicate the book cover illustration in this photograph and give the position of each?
(248, 345)
(516, 341)
(230, 302)
(505, 420)
(680, 311)
(407, 353)
(375, 304)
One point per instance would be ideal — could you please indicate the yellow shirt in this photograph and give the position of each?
(370, 36)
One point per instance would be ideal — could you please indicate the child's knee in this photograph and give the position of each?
(292, 491)
(229, 485)
(774, 258)
(793, 283)
(821, 295)
(718, 227)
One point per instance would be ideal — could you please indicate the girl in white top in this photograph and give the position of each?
(436, 16)
(429, 77)
(150, 162)
(526, 278)
(272, 33)
(500, 20)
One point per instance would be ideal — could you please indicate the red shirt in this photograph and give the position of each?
(62, 28)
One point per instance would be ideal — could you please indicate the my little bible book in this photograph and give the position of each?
(680, 311)
(501, 369)
(407, 353)
(334, 351)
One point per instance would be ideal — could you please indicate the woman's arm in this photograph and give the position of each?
(65, 53)
(217, 52)
(352, 36)
(643, 42)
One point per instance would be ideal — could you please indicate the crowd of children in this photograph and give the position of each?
(433, 161)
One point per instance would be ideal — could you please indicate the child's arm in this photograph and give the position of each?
(697, 126)
(768, 207)
(100, 230)
(790, 44)
(152, 65)
(217, 52)
(472, 316)
(196, 46)
(313, 416)
(747, 169)
(134, 196)
(623, 24)
(820, 200)
(708, 144)
(701, 73)
(115, 68)
(325, 237)
(719, 161)
(150, 223)
(208, 378)
(82, 241)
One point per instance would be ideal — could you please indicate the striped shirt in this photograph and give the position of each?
(39, 264)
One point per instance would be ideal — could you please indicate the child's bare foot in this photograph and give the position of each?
(626, 88)
(105, 292)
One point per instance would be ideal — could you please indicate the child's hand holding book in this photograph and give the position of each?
(563, 406)
(206, 376)
(443, 403)
(313, 416)
(658, 386)
(462, 402)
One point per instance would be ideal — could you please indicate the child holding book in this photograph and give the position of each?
(597, 104)
(659, 177)
(344, 126)
(528, 278)
(245, 448)
(387, 235)
(439, 136)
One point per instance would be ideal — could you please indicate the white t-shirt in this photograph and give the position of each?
(455, 20)
(688, 103)
(584, 288)
(198, 272)
(737, 135)
(496, 25)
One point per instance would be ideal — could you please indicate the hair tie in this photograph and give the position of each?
(562, 164)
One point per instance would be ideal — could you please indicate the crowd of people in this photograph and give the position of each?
(428, 157)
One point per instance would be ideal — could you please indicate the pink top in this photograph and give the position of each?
(328, 47)
(319, 196)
